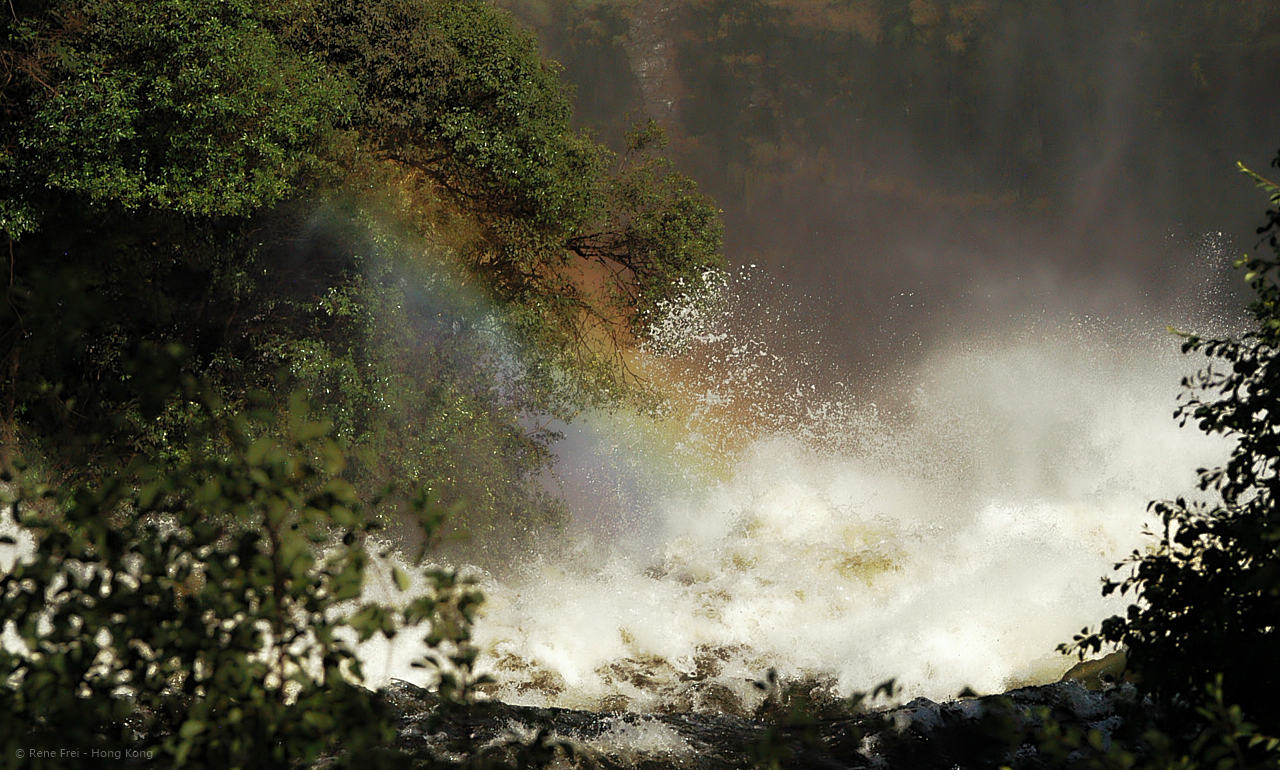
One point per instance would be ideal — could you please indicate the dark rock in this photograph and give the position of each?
(988, 732)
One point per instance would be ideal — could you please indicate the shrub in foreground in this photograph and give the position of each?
(1208, 594)
(203, 614)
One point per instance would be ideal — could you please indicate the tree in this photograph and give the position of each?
(191, 105)
(574, 244)
(1208, 593)
(383, 203)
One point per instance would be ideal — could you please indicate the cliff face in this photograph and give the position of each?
(1016, 91)
(650, 46)
(865, 149)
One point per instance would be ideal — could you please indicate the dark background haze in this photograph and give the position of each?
(914, 168)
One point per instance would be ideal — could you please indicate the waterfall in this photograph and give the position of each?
(951, 541)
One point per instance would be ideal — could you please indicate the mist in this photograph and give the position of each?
(923, 414)
(915, 167)
(951, 542)
(936, 394)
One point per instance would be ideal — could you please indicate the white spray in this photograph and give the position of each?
(954, 543)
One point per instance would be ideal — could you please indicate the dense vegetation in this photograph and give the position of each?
(379, 206)
(180, 612)
(382, 203)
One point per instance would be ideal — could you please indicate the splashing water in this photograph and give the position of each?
(775, 518)
(952, 543)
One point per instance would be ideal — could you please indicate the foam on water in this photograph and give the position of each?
(766, 522)
(952, 543)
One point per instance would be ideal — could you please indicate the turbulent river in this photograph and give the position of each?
(951, 540)
(776, 517)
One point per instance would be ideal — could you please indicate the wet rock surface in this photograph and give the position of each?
(987, 732)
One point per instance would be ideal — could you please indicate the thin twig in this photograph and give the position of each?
(8, 292)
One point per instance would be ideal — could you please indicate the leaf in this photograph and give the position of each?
(259, 450)
(191, 728)
(1264, 184)
(402, 579)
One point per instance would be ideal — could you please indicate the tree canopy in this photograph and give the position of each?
(382, 202)
(205, 205)
(188, 105)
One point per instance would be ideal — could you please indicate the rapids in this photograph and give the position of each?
(951, 541)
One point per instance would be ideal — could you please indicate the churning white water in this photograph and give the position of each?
(765, 521)
(955, 542)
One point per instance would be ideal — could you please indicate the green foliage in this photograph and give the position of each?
(1228, 740)
(204, 611)
(656, 228)
(794, 713)
(434, 395)
(1209, 592)
(457, 92)
(417, 378)
(1224, 741)
(383, 203)
(193, 105)
(458, 96)
(793, 721)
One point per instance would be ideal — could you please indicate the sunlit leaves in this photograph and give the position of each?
(159, 119)
(193, 105)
